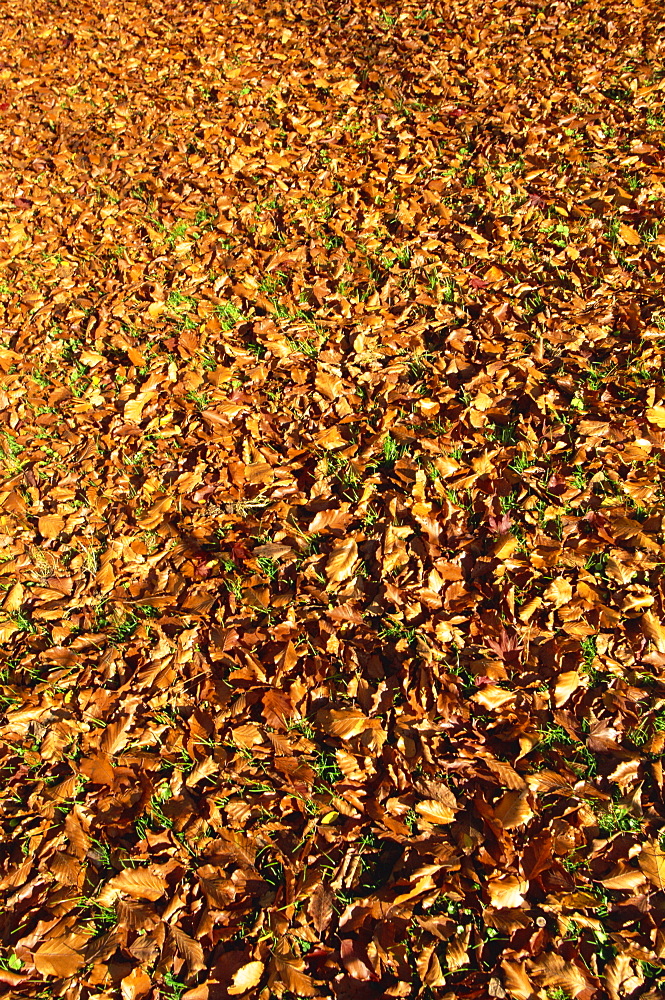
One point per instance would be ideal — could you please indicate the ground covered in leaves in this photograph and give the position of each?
(332, 425)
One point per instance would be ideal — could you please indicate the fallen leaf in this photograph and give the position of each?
(246, 978)
(342, 559)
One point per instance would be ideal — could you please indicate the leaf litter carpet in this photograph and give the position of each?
(332, 611)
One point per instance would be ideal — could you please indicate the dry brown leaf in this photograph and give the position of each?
(506, 891)
(246, 978)
(135, 985)
(566, 684)
(556, 972)
(342, 560)
(513, 810)
(138, 883)
(516, 980)
(60, 956)
(621, 977)
(435, 812)
(654, 630)
(320, 907)
(651, 860)
(289, 973)
(187, 948)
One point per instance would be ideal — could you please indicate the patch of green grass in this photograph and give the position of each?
(502, 433)
(228, 315)
(200, 400)
(11, 962)
(393, 631)
(10, 449)
(617, 818)
(269, 567)
(172, 988)
(180, 303)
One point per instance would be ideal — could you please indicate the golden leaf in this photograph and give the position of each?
(50, 525)
(136, 984)
(435, 812)
(493, 697)
(653, 630)
(629, 235)
(134, 407)
(651, 860)
(529, 608)
(14, 598)
(246, 977)
(60, 956)
(656, 415)
(137, 883)
(506, 892)
(342, 560)
(504, 546)
(344, 723)
(513, 810)
(559, 592)
(565, 685)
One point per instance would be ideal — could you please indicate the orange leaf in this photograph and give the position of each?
(435, 812)
(60, 956)
(651, 860)
(246, 977)
(136, 984)
(50, 525)
(656, 415)
(342, 560)
(138, 883)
